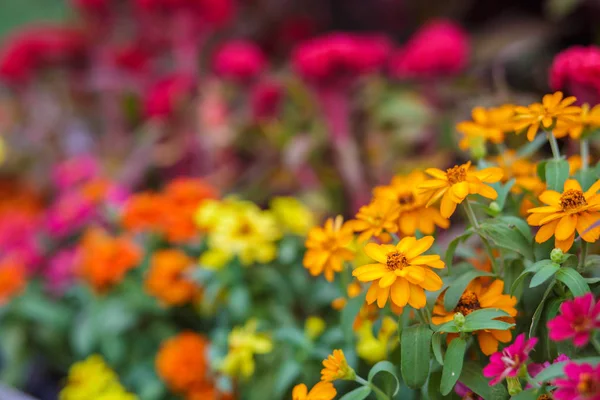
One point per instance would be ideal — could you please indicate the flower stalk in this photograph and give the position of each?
(486, 244)
(380, 393)
(553, 145)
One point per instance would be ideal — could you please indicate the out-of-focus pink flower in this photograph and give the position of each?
(239, 60)
(75, 171)
(465, 392)
(577, 70)
(266, 100)
(508, 362)
(214, 13)
(133, 57)
(534, 368)
(162, 99)
(36, 47)
(18, 238)
(92, 7)
(335, 57)
(582, 382)
(60, 272)
(439, 48)
(577, 320)
(69, 213)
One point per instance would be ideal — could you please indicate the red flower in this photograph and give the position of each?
(239, 60)
(266, 99)
(577, 320)
(577, 69)
(508, 362)
(163, 98)
(582, 383)
(213, 12)
(438, 48)
(133, 57)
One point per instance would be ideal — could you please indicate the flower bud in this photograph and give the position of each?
(495, 207)
(557, 256)
(514, 386)
(459, 319)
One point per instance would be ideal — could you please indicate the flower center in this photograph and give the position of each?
(456, 174)
(244, 229)
(572, 199)
(468, 303)
(587, 385)
(545, 396)
(396, 260)
(406, 199)
(582, 324)
(470, 396)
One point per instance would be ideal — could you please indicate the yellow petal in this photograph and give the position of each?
(420, 246)
(400, 292)
(417, 297)
(566, 227)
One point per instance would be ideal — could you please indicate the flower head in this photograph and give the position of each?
(566, 213)
(321, 391)
(61, 270)
(377, 218)
(167, 278)
(552, 111)
(582, 123)
(509, 361)
(326, 248)
(576, 70)
(336, 367)
(294, 216)
(13, 278)
(244, 343)
(266, 100)
(239, 60)
(578, 320)
(465, 393)
(487, 125)
(582, 382)
(374, 349)
(456, 183)
(165, 97)
(479, 296)
(401, 272)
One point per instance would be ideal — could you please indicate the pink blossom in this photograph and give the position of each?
(18, 237)
(534, 368)
(582, 382)
(75, 171)
(509, 361)
(439, 48)
(69, 213)
(465, 392)
(163, 98)
(60, 272)
(577, 69)
(265, 100)
(239, 60)
(215, 13)
(577, 320)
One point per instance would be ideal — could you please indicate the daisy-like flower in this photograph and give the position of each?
(564, 214)
(376, 218)
(582, 382)
(586, 120)
(578, 319)
(552, 111)
(413, 213)
(321, 391)
(509, 361)
(456, 183)
(487, 125)
(336, 367)
(327, 248)
(476, 297)
(401, 273)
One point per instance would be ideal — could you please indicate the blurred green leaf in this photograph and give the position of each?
(16, 13)
(357, 394)
(385, 366)
(453, 363)
(557, 172)
(416, 355)
(574, 281)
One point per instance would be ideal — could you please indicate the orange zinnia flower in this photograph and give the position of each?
(402, 272)
(13, 278)
(588, 119)
(475, 297)
(326, 248)
(208, 392)
(182, 362)
(143, 211)
(105, 259)
(166, 278)
(321, 391)
(564, 214)
(336, 367)
(456, 183)
(487, 124)
(376, 218)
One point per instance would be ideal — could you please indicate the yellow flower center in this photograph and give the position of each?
(456, 174)
(470, 396)
(545, 396)
(468, 303)
(582, 323)
(572, 199)
(587, 385)
(244, 229)
(396, 260)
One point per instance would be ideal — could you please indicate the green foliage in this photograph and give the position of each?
(416, 354)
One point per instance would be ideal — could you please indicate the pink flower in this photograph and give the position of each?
(164, 97)
(577, 320)
(215, 13)
(439, 48)
(509, 361)
(18, 237)
(265, 99)
(60, 272)
(577, 70)
(239, 60)
(534, 368)
(465, 392)
(69, 213)
(75, 171)
(582, 382)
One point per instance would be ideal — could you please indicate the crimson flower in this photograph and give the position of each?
(508, 362)
(577, 320)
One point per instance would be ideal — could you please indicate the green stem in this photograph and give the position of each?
(380, 393)
(585, 154)
(486, 244)
(584, 251)
(553, 145)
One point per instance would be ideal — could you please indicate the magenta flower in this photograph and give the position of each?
(534, 368)
(239, 60)
(582, 382)
(75, 170)
(577, 320)
(465, 392)
(60, 272)
(509, 361)
(577, 70)
(163, 99)
(265, 100)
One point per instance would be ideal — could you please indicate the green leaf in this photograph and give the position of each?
(16, 13)
(453, 363)
(541, 170)
(533, 268)
(288, 372)
(517, 223)
(436, 344)
(586, 178)
(530, 394)
(507, 236)
(357, 394)
(453, 245)
(557, 172)
(574, 281)
(384, 366)
(416, 354)
(531, 147)
(349, 313)
(490, 324)
(547, 271)
(472, 376)
(458, 286)
(535, 320)
(433, 386)
(447, 327)
(556, 370)
(503, 192)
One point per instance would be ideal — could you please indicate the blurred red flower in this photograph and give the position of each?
(239, 60)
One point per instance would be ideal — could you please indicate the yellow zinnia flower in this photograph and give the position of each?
(564, 214)
(523, 170)
(374, 349)
(487, 125)
(321, 391)
(376, 218)
(336, 367)
(401, 272)
(456, 183)
(244, 343)
(414, 215)
(294, 216)
(552, 111)
(475, 297)
(587, 119)
(326, 248)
